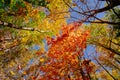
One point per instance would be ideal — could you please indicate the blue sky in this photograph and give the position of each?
(91, 4)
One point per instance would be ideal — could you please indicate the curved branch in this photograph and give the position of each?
(99, 22)
(110, 6)
(93, 13)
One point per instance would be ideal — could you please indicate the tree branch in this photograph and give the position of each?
(104, 22)
(117, 60)
(112, 50)
(110, 6)
(10, 25)
(115, 43)
(93, 12)
(105, 69)
(99, 22)
(116, 13)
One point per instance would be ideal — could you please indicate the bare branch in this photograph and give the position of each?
(93, 12)
(104, 22)
(110, 6)
(99, 22)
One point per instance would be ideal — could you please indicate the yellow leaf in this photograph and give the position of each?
(62, 73)
(42, 60)
(11, 65)
(12, 73)
(24, 72)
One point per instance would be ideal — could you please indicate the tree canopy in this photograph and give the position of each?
(59, 39)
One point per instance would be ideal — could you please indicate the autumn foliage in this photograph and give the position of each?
(65, 54)
(59, 40)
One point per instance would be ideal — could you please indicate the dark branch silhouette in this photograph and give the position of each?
(108, 48)
(105, 69)
(92, 13)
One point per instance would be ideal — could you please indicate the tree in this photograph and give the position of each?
(86, 11)
(65, 55)
(32, 24)
(114, 16)
(27, 22)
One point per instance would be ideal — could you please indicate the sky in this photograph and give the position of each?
(79, 16)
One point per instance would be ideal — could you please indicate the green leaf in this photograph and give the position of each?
(2, 10)
(42, 15)
(1, 4)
